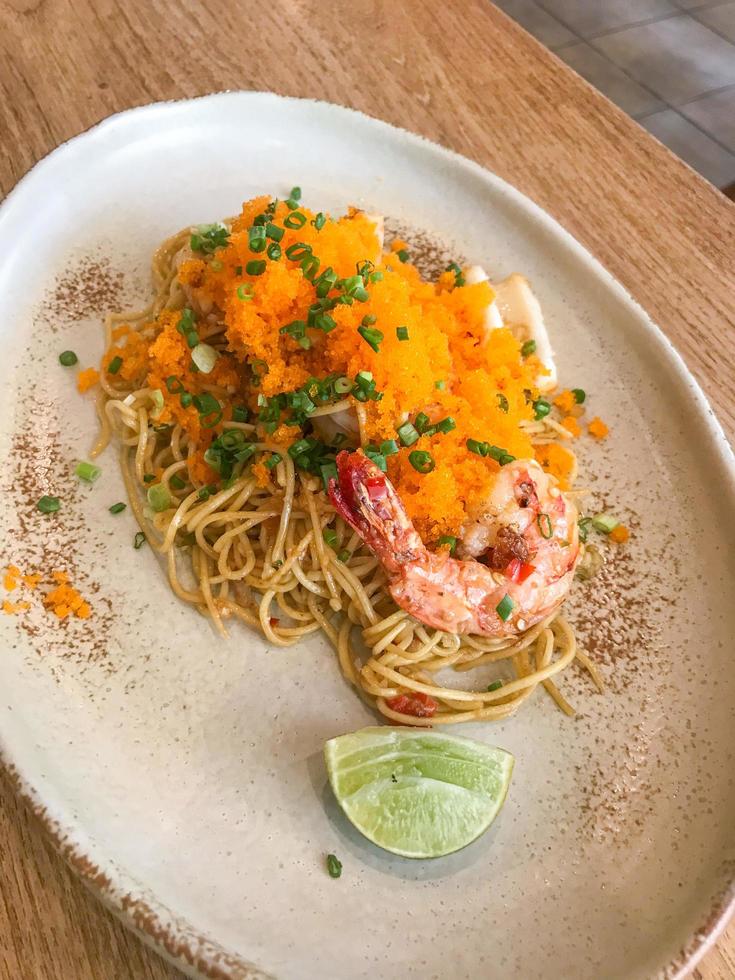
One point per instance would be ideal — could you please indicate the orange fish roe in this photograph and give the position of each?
(65, 600)
(12, 608)
(32, 580)
(571, 425)
(435, 355)
(597, 428)
(565, 401)
(619, 534)
(87, 379)
(10, 582)
(261, 474)
(558, 461)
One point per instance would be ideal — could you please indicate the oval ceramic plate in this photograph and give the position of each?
(183, 775)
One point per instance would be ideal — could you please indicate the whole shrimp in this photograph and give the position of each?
(525, 535)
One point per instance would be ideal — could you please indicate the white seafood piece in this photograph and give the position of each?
(379, 221)
(343, 423)
(515, 306)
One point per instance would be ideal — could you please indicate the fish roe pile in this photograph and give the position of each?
(426, 345)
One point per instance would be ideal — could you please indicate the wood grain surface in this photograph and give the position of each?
(460, 73)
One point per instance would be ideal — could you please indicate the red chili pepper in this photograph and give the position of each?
(274, 621)
(518, 571)
(376, 488)
(418, 704)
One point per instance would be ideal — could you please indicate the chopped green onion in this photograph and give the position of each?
(117, 508)
(439, 385)
(544, 525)
(173, 385)
(328, 472)
(330, 537)
(389, 447)
(68, 358)
(295, 220)
(583, 527)
(422, 422)
(541, 409)
(176, 482)
(376, 457)
(273, 461)
(158, 497)
(186, 399)
(421, 461)
(216, 266)
(372, 337)
(344, 555)
(407, 434)
(273, 251)
(325, 322)
(245, 292)
(402, 333)
(342, 385)
(402, 254)
(476, 447)
(325, 282)
(504, 608)
(309, 267)
(334, 866)
(206, 403)
(157, 399)
(239, 413)
(207, 238)
(447, 539)
(369, 319)
(238, 270)
(446, 425)
(274, 232)
(298, 250)
(88, 472)
(192, 339)
(148, 478)
(138, 540)
(205, 357)
(114, 366)
(579, 395)
(302, 446)
(48, 505)
(319, 221)
(502, 403)
(605, 523)
(186, 321)
(528, 348)
(256, 238)
(495, 686)
(256, 267)
(295, 194)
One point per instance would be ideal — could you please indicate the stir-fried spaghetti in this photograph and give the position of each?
(276, 340)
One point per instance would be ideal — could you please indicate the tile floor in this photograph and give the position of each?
(668, 63)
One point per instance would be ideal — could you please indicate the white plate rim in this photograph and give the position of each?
(176, 940)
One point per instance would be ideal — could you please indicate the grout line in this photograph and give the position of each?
(712, 91)
(637, 23)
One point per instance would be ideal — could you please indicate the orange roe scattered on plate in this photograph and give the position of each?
(565, 401)
(65, 600)
(619, 534)
(12, 608)
(571, 425)
(87, 379)
(558, 461)
(32, 580)
(597, 428)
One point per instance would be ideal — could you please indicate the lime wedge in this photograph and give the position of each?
(417, 793)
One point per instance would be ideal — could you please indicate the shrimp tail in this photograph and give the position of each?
(364, 498)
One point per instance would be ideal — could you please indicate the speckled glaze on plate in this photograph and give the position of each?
(183, 775)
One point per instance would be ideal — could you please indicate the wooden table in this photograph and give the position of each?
(459, 73)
